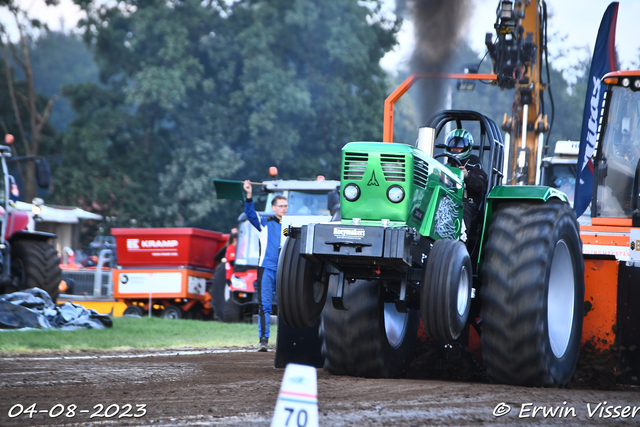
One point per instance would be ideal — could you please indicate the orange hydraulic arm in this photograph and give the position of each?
(389, 103)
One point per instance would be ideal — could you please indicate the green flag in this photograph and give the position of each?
(227, 189)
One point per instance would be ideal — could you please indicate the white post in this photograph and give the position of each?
(97, 278)
(506, 164)
(539, 158)
(525, 116)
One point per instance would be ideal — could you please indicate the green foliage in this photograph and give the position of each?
(27, 106)
(9, 124)
(186, 182)
(133, 333)
(57, 60)
(7, 116)
(192, 91)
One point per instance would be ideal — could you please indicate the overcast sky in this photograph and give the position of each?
(577, 20)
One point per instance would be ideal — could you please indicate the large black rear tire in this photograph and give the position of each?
(370, 338)
(35, 264)
(301, 293)
(445, 298)
(533, 294)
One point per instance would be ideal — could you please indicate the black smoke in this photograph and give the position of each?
(439, 28)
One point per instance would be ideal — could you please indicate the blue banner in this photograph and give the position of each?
(603, 62)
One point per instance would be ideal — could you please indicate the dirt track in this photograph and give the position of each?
(239, 387)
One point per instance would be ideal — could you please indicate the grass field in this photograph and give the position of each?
(134, 333)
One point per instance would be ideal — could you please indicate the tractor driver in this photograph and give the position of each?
(459, 144)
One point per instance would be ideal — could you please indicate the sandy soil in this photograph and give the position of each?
(239, 387)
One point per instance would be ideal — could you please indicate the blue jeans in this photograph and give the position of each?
(266, 287)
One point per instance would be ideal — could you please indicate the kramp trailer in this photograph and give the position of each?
(166, 270)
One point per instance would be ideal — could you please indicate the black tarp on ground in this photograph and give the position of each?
(33, 308)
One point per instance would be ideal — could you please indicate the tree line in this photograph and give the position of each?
(161, 97)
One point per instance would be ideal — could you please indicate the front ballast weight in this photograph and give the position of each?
(320, 260)
(363, 253)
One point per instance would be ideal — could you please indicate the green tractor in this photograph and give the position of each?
(396, 256)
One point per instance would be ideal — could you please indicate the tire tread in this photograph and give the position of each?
(517, 255)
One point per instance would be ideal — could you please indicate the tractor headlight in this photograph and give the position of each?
(351, 192)
(395, 193)
(625, 82)
(238, 283)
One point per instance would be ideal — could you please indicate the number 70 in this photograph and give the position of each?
(301, 418)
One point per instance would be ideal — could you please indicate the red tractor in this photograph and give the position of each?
(27, 260)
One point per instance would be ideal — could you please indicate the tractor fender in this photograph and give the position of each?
(525, 192)
(31, 235)
(510, 193)
(16, 221)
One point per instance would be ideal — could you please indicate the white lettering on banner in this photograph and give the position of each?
(159, 243)
(620, 252)
(590, 145)
(138, 245)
